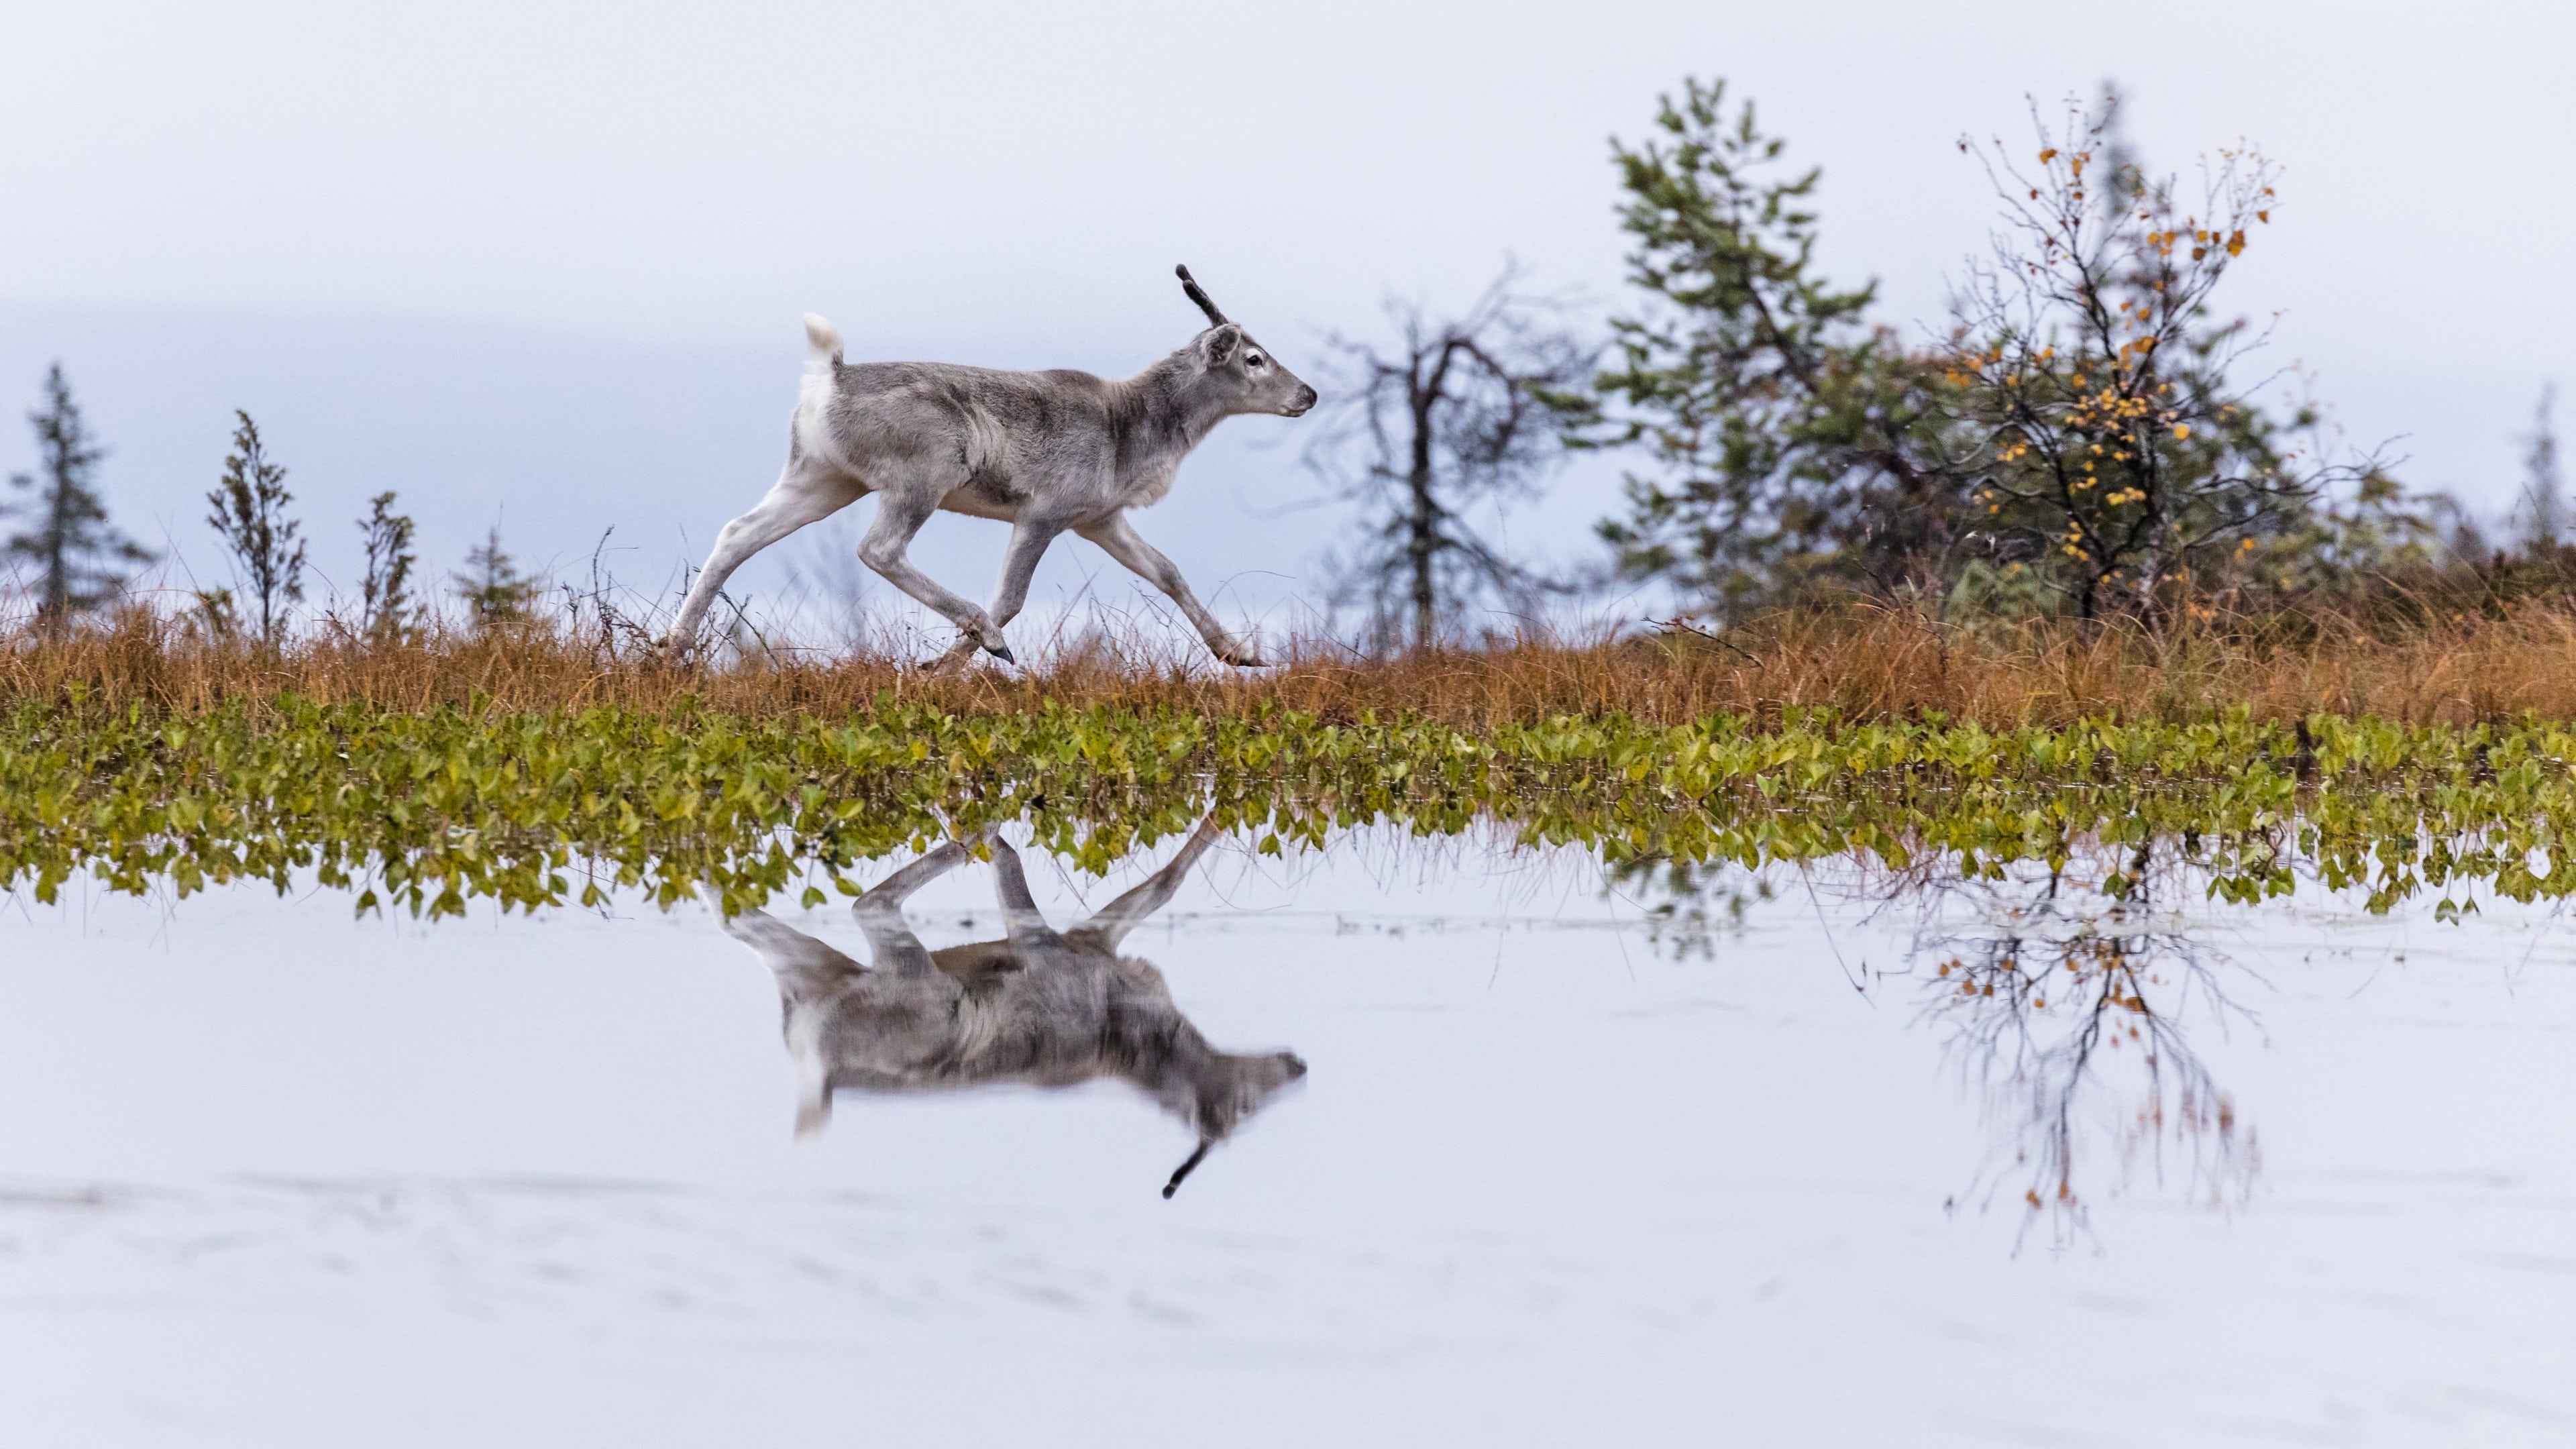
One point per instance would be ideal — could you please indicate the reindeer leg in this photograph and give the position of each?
(957, 655)
(1029, 540)
(1030, 536)
(880, 912)
(806, 968)
(1111, 923)
(811, 978)
(901, 510)
(1028, 931)
(1119, 539)
(802, 494)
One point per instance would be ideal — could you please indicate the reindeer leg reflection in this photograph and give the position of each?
(807, 969)
(1112, 922)
(811, 977)
(1020, 919)
(880, 912)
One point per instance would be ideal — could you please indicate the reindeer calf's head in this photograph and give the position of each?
(1241, 370)
(1223, 1090)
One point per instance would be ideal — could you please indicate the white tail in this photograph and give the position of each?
(823, 343)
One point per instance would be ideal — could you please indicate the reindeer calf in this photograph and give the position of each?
(1046, 452)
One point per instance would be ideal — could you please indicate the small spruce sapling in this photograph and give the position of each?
(385, 593)
(248, 511)
(492, 586)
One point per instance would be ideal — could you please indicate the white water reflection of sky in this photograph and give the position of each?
(271, 1177)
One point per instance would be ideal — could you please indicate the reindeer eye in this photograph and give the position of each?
(1252, 359)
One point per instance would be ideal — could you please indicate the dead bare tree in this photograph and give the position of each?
(1454, 416)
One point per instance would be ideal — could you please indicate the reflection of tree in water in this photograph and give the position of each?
(2066, 1001)
(2064, 996)
(1687, 906)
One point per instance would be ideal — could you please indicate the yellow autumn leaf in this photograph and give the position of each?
(2235, 243)
(2181, 431)
(2048, 155)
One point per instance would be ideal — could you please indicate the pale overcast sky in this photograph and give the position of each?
(544, 263)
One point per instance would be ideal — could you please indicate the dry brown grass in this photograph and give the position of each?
(1866, 662)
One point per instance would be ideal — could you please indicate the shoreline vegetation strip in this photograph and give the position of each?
(421, 812)
(2494, 662)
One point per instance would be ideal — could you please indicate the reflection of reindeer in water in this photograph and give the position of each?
(1038, 1007)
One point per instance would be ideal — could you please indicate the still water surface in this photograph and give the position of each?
(1808, 1157)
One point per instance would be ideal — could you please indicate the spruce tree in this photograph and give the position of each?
(79, 560)
(1780, 420)
(492, 586)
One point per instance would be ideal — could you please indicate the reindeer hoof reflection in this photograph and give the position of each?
(1038, 1007)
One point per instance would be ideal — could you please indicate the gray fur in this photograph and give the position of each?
(1038, 1007)
(1047, 452)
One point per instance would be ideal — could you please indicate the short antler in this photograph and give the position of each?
(1197, 1157)
(1199, 295)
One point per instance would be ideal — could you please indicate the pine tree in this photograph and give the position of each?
(249, 514)
(81, 562)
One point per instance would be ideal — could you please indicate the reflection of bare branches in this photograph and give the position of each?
(2067, 1006)
(2063, 995)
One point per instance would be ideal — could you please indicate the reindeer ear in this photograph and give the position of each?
(1219, 344)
